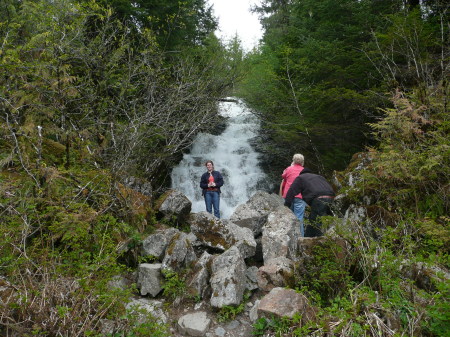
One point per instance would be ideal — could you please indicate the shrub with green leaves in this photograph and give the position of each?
(174, 284)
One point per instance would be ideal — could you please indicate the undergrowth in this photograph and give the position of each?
(63, 233)
(386, 274)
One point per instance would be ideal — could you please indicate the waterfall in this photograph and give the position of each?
(233, 157)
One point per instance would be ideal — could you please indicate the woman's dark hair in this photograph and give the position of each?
(209, 161)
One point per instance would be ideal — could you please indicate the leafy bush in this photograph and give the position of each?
(174, 285)
(326, 272)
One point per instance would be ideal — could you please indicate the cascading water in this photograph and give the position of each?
(233, 157)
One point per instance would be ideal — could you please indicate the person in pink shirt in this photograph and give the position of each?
(289, 174)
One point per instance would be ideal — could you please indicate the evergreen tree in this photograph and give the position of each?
(322, 81)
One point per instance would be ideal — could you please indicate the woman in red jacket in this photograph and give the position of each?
(289, 174)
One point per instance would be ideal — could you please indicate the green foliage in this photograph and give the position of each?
(280, 326)
(259, 327)
(325, 67)
(439, 312)
(311, 83)
(409, 170)
(174, 285)
(326, 273)
(178, 24)
(229, 312)
(80, 84)
(137, 322)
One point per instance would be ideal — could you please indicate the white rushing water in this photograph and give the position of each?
(233, 157)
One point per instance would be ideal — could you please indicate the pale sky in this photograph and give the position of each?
(235, 17)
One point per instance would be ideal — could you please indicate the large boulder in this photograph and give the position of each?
(145, 305)
(198, 278)
(228, 278)
(425, 276)
(281, 302)
(194, 324)
(280, 234)
(150, 279)
(179, 253)
(155, 244)
(277, 272)
(253, 214)
(174, 205)
(222, 234)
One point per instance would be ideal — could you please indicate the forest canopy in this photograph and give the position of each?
(134, 82)
(325, 69)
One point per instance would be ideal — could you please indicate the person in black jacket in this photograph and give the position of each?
(211, 182)
(317, 193)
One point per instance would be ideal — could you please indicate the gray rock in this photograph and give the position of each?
(280, 235)
(154, 307)
(253, 314)
(220, 331)
(155, 244)
(251, 278)
(278, 272)
(355, 214)
(198, 282)
(222, 234)
(425, 276)
(176, 204)
(228, 278)
(150, 279)
(120, 281)
(140, 185)
(253, 214)
(179, 253)
(281, 302)
(195, 324)
(232, 325)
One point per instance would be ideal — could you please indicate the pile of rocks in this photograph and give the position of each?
(254, 251)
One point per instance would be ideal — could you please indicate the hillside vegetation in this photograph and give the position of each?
(327, 68)
(97, 103)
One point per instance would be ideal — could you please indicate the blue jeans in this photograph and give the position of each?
(212, 199)
(298, 207)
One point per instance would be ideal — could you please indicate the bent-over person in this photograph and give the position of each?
(317, 193)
